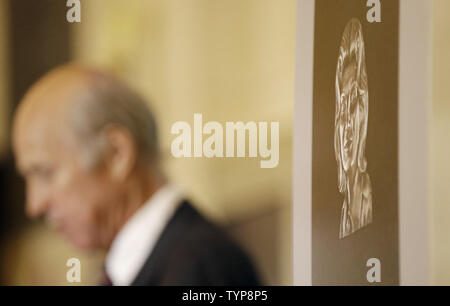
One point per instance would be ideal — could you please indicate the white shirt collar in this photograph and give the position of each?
(137, 238)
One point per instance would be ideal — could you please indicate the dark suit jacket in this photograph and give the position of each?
(193, 252)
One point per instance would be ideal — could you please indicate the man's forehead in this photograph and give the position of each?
(42, 117)
(37, 143)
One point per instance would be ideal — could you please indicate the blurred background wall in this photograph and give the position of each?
(440, 148)
(230, 60)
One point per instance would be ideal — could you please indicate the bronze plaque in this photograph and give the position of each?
(355, 143)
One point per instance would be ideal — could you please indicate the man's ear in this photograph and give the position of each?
(122, 153)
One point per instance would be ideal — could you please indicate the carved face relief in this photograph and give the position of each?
(352, 110)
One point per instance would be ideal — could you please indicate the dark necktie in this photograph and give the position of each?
(105, 280)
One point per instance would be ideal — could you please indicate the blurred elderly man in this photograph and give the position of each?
(87, 147)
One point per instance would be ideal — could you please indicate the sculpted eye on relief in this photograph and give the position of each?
(235, 133)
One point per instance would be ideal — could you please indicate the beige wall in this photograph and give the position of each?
(230, 60)
(440, 152)
(4, 77)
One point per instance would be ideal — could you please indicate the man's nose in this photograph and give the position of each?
(36, 202)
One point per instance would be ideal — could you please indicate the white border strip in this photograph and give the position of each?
(302, 164)
(415, 77)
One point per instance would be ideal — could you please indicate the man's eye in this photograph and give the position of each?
(46, 173)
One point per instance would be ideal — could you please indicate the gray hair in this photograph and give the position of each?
(104, 102)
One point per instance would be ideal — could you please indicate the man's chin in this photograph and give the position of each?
(81, 243)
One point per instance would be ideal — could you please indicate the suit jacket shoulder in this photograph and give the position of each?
(194, 252)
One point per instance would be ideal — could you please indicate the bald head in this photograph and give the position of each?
(77, 104)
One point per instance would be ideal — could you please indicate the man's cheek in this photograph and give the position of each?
(81, 227)
(88, 218)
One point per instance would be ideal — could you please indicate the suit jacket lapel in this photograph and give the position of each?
(151, 272)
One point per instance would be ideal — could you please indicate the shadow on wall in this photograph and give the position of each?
(259, 236)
